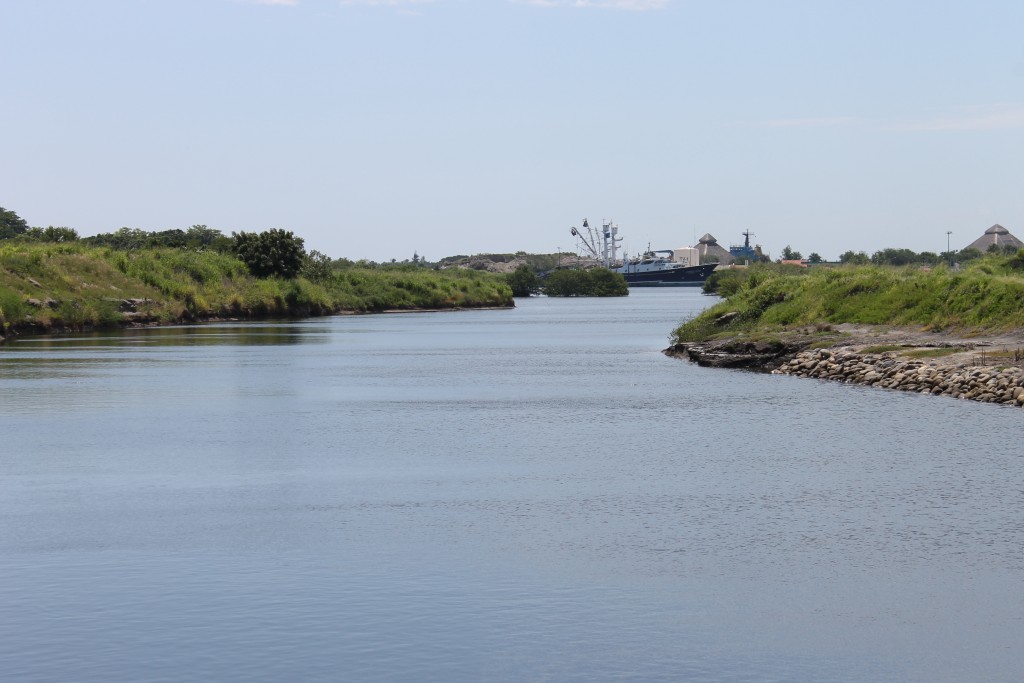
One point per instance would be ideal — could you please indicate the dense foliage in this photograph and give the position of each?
(195, 237)
(52, 234)
(11, 224)
(593, 282)
(907, 257)
(523, 281)
(270, 253)
(986, 294)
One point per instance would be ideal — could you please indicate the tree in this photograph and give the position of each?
(604, 282)
(523, 281)
(51, 234)
(174, 238)
(593, 282)
(11, 224)
(60, 234)
(274, 252)
(1017, 261)
(317, 267)
(126, 238)
(567, 283)
(815, 257)
(789, 255)
(856, 258)
(894, 257)
(1004, 249)
(968, 254)
(201, 237)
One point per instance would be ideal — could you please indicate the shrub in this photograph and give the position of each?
(270, 253)
(317, 267)
(523, 281)
(593, 282)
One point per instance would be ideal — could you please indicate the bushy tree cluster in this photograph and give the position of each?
(195, 237)
(1017, 261)
(269, 253)
(52, 234)
(902, 257)
(788, 254)
(854, 258)
(523, 281)
(11, 224)
(593, 282)
(317, 267)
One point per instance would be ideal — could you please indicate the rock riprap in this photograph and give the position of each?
(988, 384)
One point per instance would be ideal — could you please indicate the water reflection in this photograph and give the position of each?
(536, 494)
(211, 334)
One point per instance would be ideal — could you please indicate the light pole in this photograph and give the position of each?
(949, 255)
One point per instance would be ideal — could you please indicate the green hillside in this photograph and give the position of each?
(988, 294)
(46, 286)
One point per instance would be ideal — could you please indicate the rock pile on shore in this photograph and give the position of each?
(977, 383)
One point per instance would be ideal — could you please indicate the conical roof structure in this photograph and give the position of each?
(997, 236)
(708, 246)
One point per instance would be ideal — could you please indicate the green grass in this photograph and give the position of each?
(987, 295)
(58, 286)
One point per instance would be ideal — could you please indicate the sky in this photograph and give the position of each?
(382, 128)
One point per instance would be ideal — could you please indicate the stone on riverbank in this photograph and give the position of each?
(988, 384)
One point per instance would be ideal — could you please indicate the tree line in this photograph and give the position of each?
(907, 257)
(281, 253)
(902, 257)
(524, 281)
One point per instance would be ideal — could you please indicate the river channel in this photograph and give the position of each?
(536, 494)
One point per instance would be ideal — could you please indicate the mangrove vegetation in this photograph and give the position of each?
(590, 282)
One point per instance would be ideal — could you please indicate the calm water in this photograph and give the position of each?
(527, 495)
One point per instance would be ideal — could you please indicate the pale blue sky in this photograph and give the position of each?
(376, 128)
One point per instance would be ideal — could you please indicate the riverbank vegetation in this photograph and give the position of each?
(50, 286)
(985, 294)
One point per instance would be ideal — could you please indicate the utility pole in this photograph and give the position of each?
(948, 254)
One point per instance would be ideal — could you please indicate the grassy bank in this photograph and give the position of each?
(46, 287)
(987, 295)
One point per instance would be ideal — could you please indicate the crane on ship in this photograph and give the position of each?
(609, 241)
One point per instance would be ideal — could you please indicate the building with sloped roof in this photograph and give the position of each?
(996, 236)
(711, 251)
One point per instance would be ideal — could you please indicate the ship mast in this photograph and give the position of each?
(610, 242)
(603, 246)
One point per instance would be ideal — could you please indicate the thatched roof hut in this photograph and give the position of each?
(707, 246)
(997, 236)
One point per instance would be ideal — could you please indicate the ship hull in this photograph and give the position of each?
(684, 276)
